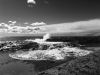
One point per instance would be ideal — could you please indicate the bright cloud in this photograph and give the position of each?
(12, 27)
(12, 23)
(82, 27)
(74, 28)
(38, 23)
(31, 1)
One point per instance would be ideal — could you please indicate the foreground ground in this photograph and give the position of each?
(86, 65)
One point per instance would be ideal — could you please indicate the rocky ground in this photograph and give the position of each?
(86, 65)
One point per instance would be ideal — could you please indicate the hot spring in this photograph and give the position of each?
(54, 53)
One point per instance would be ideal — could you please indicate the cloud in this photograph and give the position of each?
(26, 23)
(12, 27)
(31, 1)
(11, 23)
(79, 28)
(38, 23)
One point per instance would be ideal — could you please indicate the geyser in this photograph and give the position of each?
(44, 40)
(46, 37)
(55, 53)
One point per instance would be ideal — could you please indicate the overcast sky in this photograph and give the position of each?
(48, 11)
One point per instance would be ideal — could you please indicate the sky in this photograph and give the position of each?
(20, 16)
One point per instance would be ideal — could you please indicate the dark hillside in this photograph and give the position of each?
(86, 40)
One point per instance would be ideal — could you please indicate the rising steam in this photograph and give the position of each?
(45, 37)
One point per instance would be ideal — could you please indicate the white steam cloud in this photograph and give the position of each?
(45, 37)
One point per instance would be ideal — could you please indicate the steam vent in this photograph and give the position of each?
(55, 51)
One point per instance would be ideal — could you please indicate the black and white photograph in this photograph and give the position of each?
(49, 37)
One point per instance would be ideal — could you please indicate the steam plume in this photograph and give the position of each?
(45, 37)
